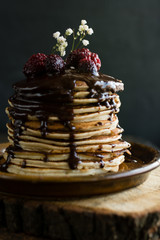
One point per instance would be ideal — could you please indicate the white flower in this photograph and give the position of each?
(63, 53)
(90, 31)
(85, 42)
(81, 28)
(85, 27)
(61, 48)
(65, 44)
(69, 31)
(61, 39)
(78, 37)
(83, 22)
(56, 35)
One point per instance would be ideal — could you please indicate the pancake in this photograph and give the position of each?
(28, 171)
(65, 125)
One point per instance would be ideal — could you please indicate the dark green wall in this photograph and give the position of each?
(127, 39)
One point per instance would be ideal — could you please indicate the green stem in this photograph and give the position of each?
(65, 36)
(53, 50)
(81, 46)
(73, 41)
(80, 41)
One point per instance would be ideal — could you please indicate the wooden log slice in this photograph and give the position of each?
(133, 214)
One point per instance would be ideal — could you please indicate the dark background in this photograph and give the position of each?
(127, 39)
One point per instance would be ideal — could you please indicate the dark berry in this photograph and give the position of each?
(54, 64)
(87, 66)
(96, 59)
(35, 66)
(75, 56)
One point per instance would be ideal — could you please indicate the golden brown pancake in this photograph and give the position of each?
(65, 125)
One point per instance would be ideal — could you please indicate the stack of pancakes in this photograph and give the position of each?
(65, 126)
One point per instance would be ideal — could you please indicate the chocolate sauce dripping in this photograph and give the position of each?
(99, 124)
(17, 132)
(101, 162)
(100, 148)
(24, 163)
(49, 95)
(45, 159)
(113, 146)
(52, 94)
(73, 159)
(10, 151)
(110, 116)
(43, 127)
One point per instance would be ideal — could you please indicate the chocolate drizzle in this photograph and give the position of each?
(43, 127)
(73, 158)
(24, 163)
(17, 132)
(101, 162)
(53, 96)
(45, 159)
(10, 151)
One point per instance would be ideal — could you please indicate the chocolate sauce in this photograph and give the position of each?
(131, 159)
(100, 147)
(45, 159)
(24, 163)
(99, 124)
(101, 163)
(53, 96)
(43, 127)
(100, 156)
(10, 151)
(73, 159)
(17, 132)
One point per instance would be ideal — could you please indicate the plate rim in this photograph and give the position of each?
(154, 163)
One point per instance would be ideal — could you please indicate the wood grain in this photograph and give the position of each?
(131, 214)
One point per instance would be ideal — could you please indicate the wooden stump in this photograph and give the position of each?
(131, 214)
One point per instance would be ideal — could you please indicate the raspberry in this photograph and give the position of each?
(87, 65)
(54, 64)
(78, 54)
(35, 66)
(75, 56)
(96, 59)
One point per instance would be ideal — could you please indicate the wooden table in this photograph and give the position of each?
(131, 214)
